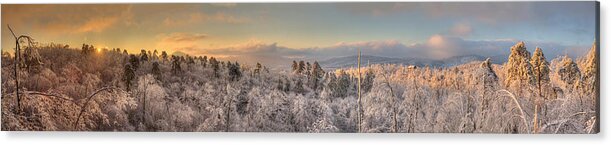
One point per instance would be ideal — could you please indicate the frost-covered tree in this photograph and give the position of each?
(341, 85)
(128, 76)
(234, 71)
(591, 70)
(257, 70)
(176, 68)
(308, 69)
(540, 69)
(143, 55)
(87, 49)
(204, 61)
(215, 66)
(367, 83)
(164, 56)
(295, 66)
(518, 68)
(316, 74)
(569, 72)
(134, 62)
(301, 67)
(156, 71)
(155, 55)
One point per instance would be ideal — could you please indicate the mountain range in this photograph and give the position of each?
(351, 61)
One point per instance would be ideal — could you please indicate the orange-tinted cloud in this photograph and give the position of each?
(200, 17)
(182, 37)
(97, 24)
(66, 18)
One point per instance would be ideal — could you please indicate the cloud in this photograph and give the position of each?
(182, 37)
(97, 24)
(543, 13)
(66, 18)
(461, 29)
(201, 17)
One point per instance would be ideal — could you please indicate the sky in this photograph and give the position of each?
(284, 31)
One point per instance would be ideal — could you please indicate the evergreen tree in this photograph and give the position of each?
(301, 67)
(134, 62)
(204, 61)
(176, 69)
(569, 72)
(164, 56)
(234, 71)
(342, 85)
(128, 76)
(315, 76)
(156, 71)
(257, 70)
(295, 66)
(87, 49)
(368, 81)
(591, 70)
(518, 67)
(155, 54)
(143, 55)
(540, 69)
(215, 66)
(308, 69)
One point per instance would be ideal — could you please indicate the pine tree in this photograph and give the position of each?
(489, 82)
(143, 55)
(234, 71)
(257, 70)
(368, 81)
(295, 66)
(150, 55)
(308, 69)
(489, 76)
(591, 70)
(204, 61)
(134, 61)
(300, 67)
(569, 72)
(176, 69)
(156, 71)
(87, 49)
(215, 66)
(155, 55)
(342, 84)
(540, 69)
(518, 67)
(164, 56)
(128, 76)
(315, 75)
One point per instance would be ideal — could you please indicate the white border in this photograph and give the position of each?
(180, 138)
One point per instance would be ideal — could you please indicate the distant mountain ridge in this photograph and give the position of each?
(350, 61)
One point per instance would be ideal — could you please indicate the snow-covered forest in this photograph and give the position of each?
(92, 89)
